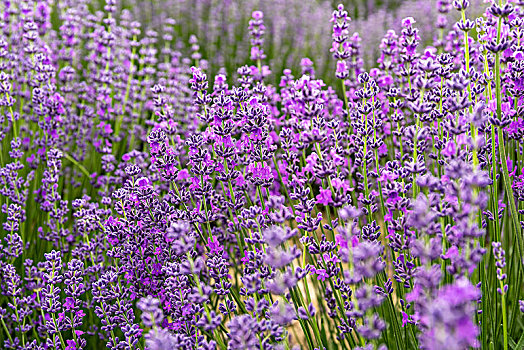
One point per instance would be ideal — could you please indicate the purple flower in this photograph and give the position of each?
(408, 22)
(324, 197)
(257, 15)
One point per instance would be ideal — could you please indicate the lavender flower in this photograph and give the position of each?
(197, 175)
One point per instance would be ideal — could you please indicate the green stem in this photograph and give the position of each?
(80, 166)
(504, 316)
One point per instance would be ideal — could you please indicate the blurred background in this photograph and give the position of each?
(294, 28)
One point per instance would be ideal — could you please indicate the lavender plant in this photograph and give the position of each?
(147, 203)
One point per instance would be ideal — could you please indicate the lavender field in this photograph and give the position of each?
(262, 174)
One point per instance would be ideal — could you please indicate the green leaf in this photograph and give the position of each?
(519, 345)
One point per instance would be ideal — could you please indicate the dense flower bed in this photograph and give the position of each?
(148, 205)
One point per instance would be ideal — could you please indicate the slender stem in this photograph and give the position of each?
(504, 316)
(6, 330)
(80, 166)
(502, 147)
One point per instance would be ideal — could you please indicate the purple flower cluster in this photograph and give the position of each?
(147, 204)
